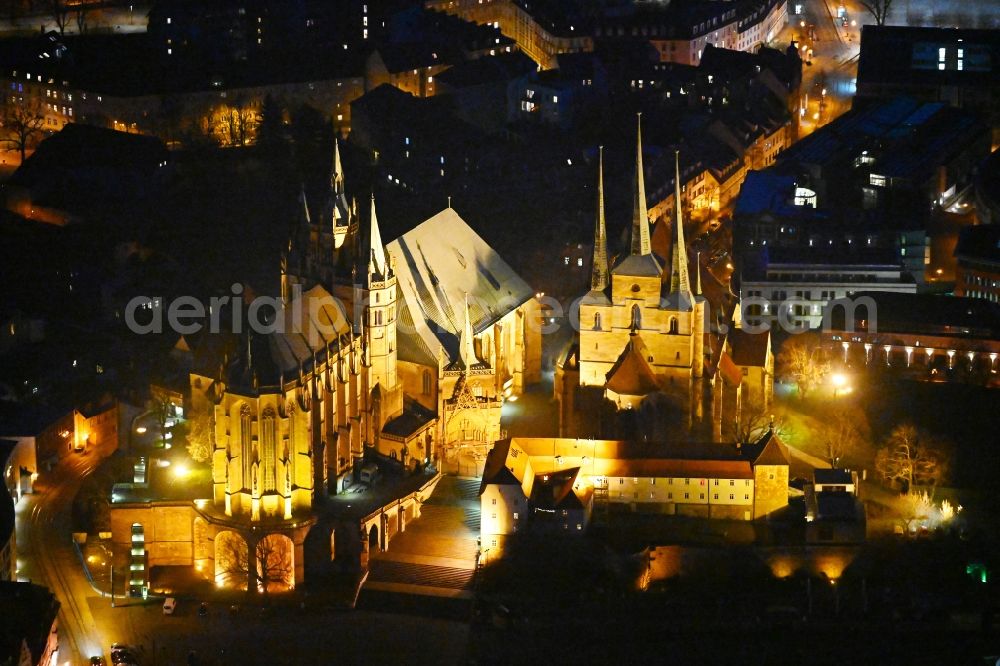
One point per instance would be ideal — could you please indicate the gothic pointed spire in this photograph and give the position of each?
(304, 218)
(466, 342)
(376, 260)
(640, 214)
(337, 173)
(697, 276)
(599, 277)
(680, 280)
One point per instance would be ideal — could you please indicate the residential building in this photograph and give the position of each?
(834, 512)
(924, 336)
(557, 484)
(958, 67)
(680, 32)
(978, 255)
(876, 177)
(792, 288)
(29, 634)
(542, 30)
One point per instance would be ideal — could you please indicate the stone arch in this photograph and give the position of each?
(673, 326)
(374, 545)
(231, 558)
(275, 559)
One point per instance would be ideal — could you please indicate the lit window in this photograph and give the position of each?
(579, 261)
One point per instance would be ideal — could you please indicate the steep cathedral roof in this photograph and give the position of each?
(438, 264)
(631, 373)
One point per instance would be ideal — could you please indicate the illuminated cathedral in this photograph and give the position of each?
(389, 354)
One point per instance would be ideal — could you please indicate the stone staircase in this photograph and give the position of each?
(428, 575)
(438, 549)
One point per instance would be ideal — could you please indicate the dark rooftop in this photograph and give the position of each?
(925, 313)
(28, 611)
(902, 55)
(980, 244)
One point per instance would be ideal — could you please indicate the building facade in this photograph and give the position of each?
(564, 482)
(371, 359)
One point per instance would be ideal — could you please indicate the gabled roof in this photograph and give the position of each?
(768, 450)
(638, 265)
(554, 490)
(441, 262)
(631, 373)
(749, 349)
(832, 476)
(729, 370)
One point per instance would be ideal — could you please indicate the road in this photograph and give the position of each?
(47, 555)
(122, 19)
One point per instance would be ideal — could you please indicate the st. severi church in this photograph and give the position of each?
(647, 362)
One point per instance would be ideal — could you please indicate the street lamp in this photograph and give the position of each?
(839, 381)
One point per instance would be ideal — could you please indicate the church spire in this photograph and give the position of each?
(304, 218)
(697, 275)
(599, 277)
(640, 214)
(337, 174)
(680, 280)
(376, 259)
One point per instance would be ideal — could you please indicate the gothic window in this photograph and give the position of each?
(673, 325)
(269, 453)
(427, 382)
(245, 443)
(291, 440)
(636, 317)
(597, 321)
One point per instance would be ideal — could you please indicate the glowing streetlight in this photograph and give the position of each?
(181, 470)
(839, 382)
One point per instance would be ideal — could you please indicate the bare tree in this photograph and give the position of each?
(197, 433)
(914, 506)
(912, 457)
(801, 361)
(273, 567)
(841, 436)
(753, 421)
(59, 10)
(879, 9)
(81, 19)
(22, 123)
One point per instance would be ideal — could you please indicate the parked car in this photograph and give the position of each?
(97, 661)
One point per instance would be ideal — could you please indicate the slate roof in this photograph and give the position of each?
(324, 323)
(631, 373)
(414, 417)
(749, 349)
(888, 56)
(979, 244)
(768, 450)
(832, 476)
(479, 71)
(438, 264)
(926, 313)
